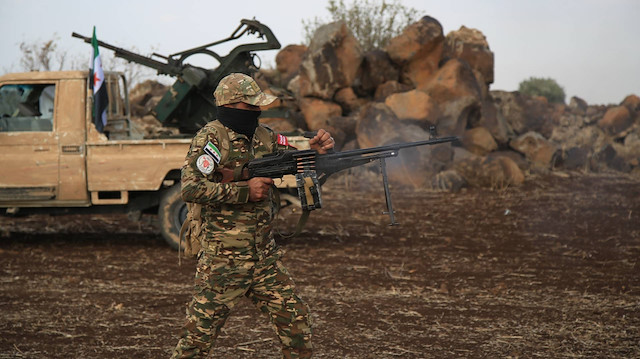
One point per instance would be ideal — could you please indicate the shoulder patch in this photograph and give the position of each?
(211, 150)
(205, 164)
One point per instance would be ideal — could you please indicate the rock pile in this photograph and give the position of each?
(422, 79)
(143, 98)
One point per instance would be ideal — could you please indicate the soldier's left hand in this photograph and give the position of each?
(322, 142)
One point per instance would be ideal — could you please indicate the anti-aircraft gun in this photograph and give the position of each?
(189, 103)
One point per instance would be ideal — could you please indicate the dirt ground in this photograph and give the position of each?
(549, 269)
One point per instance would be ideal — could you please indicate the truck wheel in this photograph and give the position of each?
(171, 214)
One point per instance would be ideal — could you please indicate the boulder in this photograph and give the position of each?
(494, 122)
(441, 156)
(348, 100)
(449, 180)
(417, 50)
(346, 124)
(331, 62)
(471, 46)
(455, 89)
(537, 149)
(147, 88)
(376, 69)
(632, 146)
(414, 167)
(609, 157)
(516, 157)
(460, 153)
(479, 141)
(578, 104)
(498, 172)
(340, 136)
(317, 112)
(413, 105)
(375, 125)
(279, 125)
(523, 113)
(589, 136)
(632, 102)
(142, 93)
(152, 128)
(288, 62)
(575, 158)
(616, 120)
(388, 88)
(453, 80)
(294, 86)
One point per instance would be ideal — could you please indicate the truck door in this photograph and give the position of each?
(28, 142)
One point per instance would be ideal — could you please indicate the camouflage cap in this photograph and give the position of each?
(239, 87)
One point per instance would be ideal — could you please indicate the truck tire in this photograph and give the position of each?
(171, 214)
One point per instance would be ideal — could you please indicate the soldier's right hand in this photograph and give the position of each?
(259, 188)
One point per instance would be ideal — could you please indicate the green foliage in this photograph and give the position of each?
(548, 88)
(372, 22)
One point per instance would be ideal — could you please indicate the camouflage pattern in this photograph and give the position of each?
(241, 88)
(239, 256)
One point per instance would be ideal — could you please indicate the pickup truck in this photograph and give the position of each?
(55, 161)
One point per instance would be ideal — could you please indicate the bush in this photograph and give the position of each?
(548, 88)
(372, 23)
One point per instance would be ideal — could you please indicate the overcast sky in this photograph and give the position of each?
(590, 47)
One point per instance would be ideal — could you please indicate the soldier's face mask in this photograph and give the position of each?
(240, 121)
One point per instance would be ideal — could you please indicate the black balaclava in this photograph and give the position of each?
(240, 121)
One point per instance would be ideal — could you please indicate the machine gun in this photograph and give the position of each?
(189, 104)
(312, 169)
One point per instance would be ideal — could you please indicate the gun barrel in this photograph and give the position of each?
(163, 68)
(395, 147)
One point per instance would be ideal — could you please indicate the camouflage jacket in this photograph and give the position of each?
(231, 225)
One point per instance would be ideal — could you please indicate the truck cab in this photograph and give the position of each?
(55, 161)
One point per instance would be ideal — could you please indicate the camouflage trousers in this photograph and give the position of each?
(221, 282)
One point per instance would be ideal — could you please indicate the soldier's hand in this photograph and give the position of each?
(259, 188)
(322, 141)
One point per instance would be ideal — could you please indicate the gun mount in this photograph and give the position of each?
(189, 103)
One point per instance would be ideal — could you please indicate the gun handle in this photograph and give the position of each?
(229, 175)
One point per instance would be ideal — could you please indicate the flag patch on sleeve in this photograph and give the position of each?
(282, 140)
(212, 151)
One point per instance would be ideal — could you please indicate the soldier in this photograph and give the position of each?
(238, 255)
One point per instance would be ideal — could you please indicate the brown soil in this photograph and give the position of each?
(549, 269)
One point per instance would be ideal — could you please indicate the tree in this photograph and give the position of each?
(44, 56)
(373, 23)
(546, 87)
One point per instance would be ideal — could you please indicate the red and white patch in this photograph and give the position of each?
(282, 140)
(205, 164)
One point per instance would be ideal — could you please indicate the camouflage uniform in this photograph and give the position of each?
(239, 256)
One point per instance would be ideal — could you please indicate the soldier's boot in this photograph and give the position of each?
(200, 331)
(293, 327)
(291, 353)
